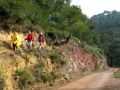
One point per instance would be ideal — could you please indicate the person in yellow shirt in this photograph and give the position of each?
(16, 41)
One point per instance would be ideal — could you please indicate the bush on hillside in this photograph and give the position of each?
(64, 62)
(56, 75)
(43, 53)
(2, 82)
(26, 78)
(50, 77)
(46, 77)
(39, 68)
(56, 56)
(40, 65)
(97, 52)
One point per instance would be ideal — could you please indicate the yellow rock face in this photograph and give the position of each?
(10, 62)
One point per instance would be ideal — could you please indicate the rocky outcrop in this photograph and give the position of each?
(81, 61)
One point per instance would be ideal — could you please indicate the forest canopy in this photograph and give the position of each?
(108, 26)
(57, 16)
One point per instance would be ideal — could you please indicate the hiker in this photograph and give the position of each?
(41, 39)
(30, 39)
(16, 41)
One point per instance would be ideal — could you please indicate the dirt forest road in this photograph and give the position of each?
(96, 81)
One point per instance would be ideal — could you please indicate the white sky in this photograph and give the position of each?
(92, 7)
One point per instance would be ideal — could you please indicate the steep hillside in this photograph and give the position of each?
(48, 66)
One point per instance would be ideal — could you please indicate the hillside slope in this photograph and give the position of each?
(69, 61)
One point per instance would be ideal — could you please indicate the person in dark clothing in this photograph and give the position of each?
(41, 39)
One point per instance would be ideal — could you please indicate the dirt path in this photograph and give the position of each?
(96, 81)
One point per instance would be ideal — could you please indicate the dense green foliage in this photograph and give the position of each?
(108, 25)
(97, 52)
(57, 58)
(26, 78)
(50, 77)
(57, 16)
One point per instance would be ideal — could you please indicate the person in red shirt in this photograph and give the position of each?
(41, 39)
(30, 39)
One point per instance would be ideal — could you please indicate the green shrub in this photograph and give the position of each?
(40, 65)
(2, 82)
(56, 75)
(117, 74)
(97, 52)
(56, 56)
(46, 77)
(50, 77)
(64, 62)
(58, 59)
(26, 78)
(39, 68)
